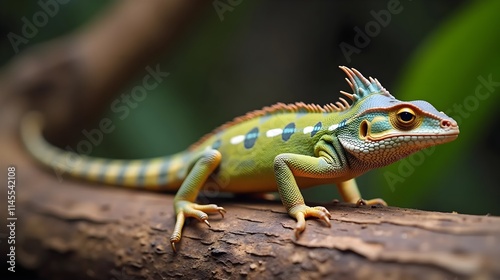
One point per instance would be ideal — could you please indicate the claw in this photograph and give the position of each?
(297, 233)
(326, 219)
(374, 201)
(301, 224)
(360, 202)
(222, 211)
(301, 212)
(206, 222)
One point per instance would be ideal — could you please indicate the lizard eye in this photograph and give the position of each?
(406, 116)
(405, 119)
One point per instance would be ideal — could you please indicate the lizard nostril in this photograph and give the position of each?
(447, 124)
(363, 129)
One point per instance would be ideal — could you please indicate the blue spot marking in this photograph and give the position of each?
(316, 128)
(216, 145)
(288, 131)
(162, 176)
(121, 174)
(85, 169)
(264, 118)
(102, 171)
(141, 175)
(342, 123)
(251, 138)
(300, 114)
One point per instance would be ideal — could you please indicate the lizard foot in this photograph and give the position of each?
(186, 209)
(374, 201)
(300, 212)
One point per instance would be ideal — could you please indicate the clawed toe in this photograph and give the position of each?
(301, 212)
(186, 209)
(209, 208)
(326, 218)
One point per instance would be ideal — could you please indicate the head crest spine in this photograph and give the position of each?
(361, 86)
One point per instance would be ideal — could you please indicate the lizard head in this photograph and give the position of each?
(382, 129)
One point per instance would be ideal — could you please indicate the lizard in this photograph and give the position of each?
(283, 147)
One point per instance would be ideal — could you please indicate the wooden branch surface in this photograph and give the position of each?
(73, 229)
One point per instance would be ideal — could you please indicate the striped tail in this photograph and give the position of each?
(161, 173)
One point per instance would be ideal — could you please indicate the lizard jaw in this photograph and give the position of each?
(389, 149)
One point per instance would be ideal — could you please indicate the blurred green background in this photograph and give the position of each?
(263, 52)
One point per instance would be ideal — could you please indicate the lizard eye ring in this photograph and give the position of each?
(405, 119)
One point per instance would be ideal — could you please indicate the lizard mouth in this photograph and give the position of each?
(447, 136)
(399, 144)
(418, 139)
(390, 148)
(410, 143)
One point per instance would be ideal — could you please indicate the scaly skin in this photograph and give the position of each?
(282, 147)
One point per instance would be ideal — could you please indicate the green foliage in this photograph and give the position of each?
(179, 110)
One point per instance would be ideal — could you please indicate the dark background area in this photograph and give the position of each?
(263, 52)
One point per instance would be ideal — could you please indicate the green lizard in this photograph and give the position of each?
(282, 147)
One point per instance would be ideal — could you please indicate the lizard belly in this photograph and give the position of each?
(243, 176)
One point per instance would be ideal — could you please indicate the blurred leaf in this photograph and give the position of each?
(181, 109)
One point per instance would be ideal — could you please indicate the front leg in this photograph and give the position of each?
(286, 168)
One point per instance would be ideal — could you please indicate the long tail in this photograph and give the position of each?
(162, 173)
